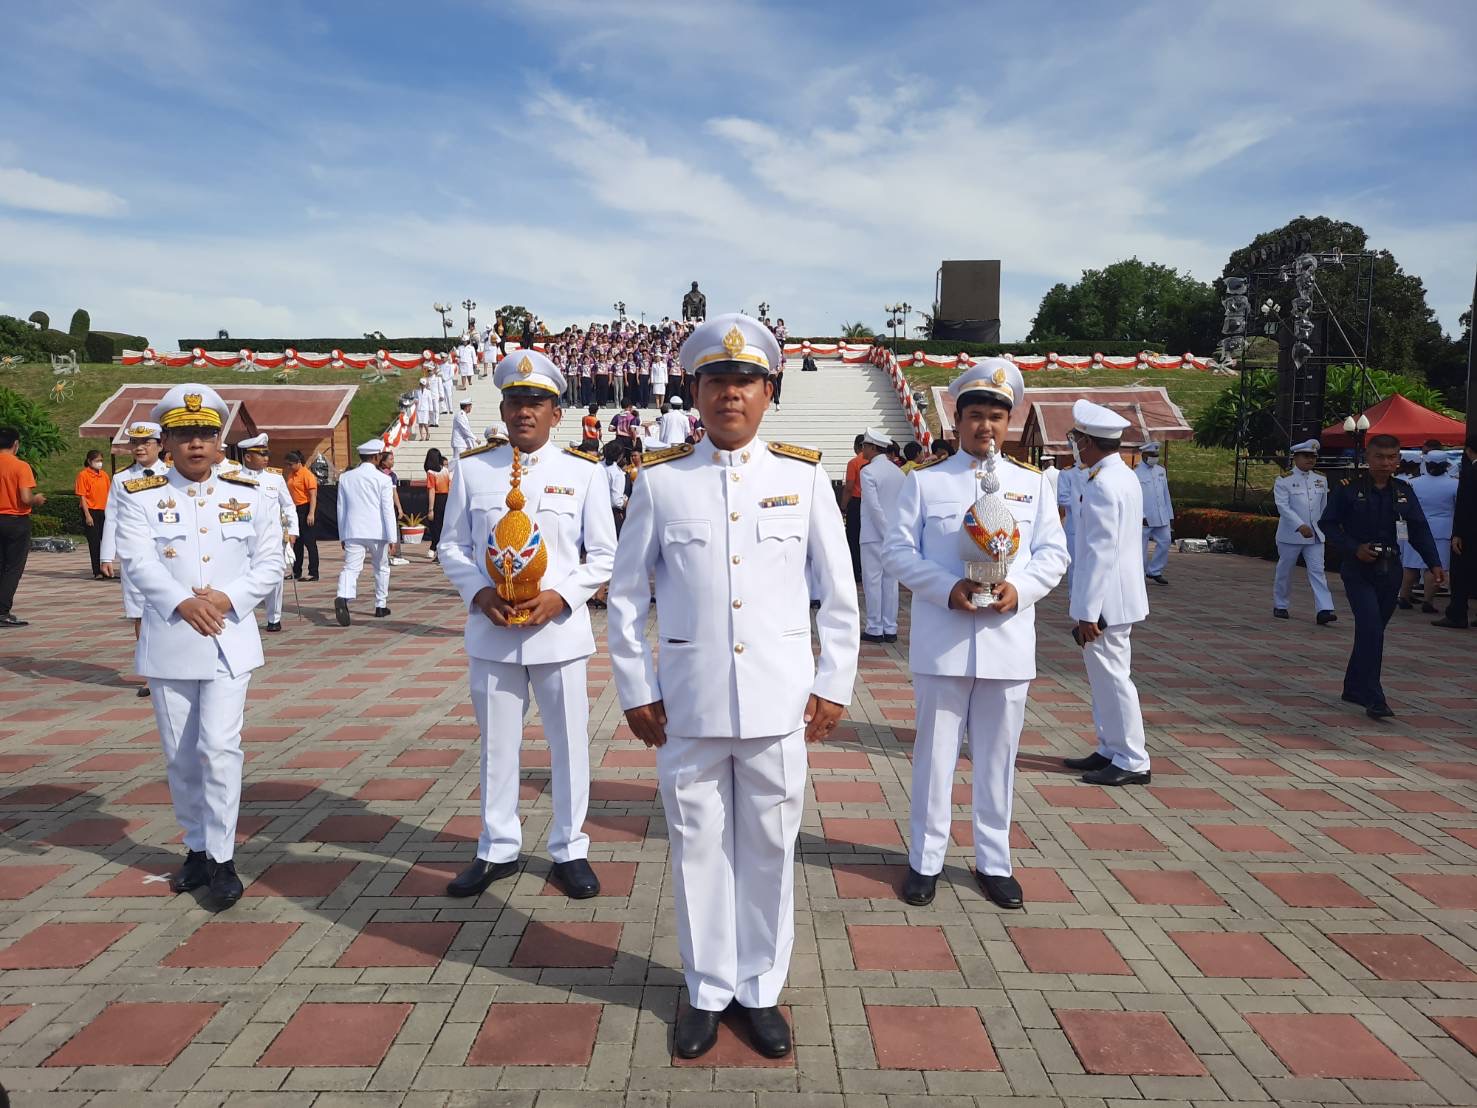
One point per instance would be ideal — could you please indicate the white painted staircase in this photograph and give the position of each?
(825, 410)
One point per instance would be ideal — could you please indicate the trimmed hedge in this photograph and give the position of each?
(1253, 535)
(62, 510)
(117, 342)
(993, 349)
(81, 324)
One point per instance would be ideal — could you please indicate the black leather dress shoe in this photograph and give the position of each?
(1004, 891)
(225, 886)
(918, 888)
(889, 638)
(867, 637)
(1403, 604)
(1112, 775)
(381, 613)
(473, 880)
(194, 874)
(1379, 711)
(1280, 613)
(1092, 761)
(696, 1032)
(1159, 579)
(1444, 622)
(576, 878)
(341, 611)
(1347, 699)
(769, 1031)
(8, 620)
(274, 626)
(1326, 617)
(144, 691)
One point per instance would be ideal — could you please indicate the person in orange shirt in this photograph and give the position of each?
(302, 486)
(18, 496)
(590, 429)
(92, 487)
(438, 485)
(851, 505)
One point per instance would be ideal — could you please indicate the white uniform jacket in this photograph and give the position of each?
(273, 484)
(1437, 496)
(568, 496)
(674, 427)
(881, 481)
(462, 436)
(366, 506)
(728, 536)
(1108, 573)
(133, 600)
(1154, 485)
(1300, 498)
(176, 535)
(923, 553)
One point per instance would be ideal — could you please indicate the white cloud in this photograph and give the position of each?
(20, 188)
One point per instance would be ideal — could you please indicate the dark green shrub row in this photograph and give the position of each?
(322, 346)
(992, 349)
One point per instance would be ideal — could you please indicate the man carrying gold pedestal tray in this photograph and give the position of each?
(515, 521)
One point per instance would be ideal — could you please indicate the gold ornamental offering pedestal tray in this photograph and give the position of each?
(516, 557)
(989, 539)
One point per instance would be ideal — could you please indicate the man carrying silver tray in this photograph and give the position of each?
(978, 541)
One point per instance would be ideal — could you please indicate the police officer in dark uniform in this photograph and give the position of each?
(1367, 517)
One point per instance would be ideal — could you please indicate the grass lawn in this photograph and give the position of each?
(1198, 475)
(370, 411)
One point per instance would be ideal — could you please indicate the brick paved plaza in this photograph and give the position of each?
(1285, 915)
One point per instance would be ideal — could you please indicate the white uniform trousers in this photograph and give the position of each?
(355, 552)
(200, 729)
(1159, 536)
(1287, 558)
(1116, 715)
(1071, 531)
(992, 713)
(500, 699)
(880, 591)
(733, 810)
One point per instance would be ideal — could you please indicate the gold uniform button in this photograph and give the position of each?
(205, 557)
(205, 530)
(738, 648)
(190, 492)
(735, 559)
(734, 475)
(744, 456)
(738, 603)
(733, 516)
(717, 457)
(201, 503)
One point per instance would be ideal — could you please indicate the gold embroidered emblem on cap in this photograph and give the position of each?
(525, 366)
(733, 342)
(192, 401)
(999, 377)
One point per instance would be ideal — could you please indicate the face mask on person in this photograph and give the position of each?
(1150, 460)
(1076, 452)
(95, 465)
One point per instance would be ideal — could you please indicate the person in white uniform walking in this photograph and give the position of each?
(972, 657)
(144, 444)
(367, 530)
(1301, 495)
(673, 427)
(1108, 595)
(204, 548)
(254, 458)
(728, 529)
(462, 436)
(1158, 511)
(880, 483)
(1437, 495)
(540, 643)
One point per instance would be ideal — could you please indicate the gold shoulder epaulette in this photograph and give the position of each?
(1344, 480)
(236, 477)
(275, 469)
(799, 453)
(140, 484)
(935, 460)
(585, 454)
(483, 449)
(670, 454)
(1024, 465)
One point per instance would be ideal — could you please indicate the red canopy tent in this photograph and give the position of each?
(1412, 424)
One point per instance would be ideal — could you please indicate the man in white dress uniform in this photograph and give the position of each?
(143, 442)
(1301, 496)
(1108, 595)
(728, 529)
(881, 481)
(462, 436)
(254, 458)
(366, 528)
(204, 548)
(972, 657)
(673, 427)
(542, 643)
(1158, 511)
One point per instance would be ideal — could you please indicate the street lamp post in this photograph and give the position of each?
(620, 309)
(445, 310)
(898, 314)
(471, 306)
(1358, 428)
(763, 312)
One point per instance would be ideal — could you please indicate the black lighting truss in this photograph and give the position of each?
(1335, 341)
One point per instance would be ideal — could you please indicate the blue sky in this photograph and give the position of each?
(327, 168)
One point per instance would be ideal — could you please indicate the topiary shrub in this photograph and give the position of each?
(1252, 535)
(98, 347)
(40, 319)
(81, 324)
(44, 525)
(122, 342)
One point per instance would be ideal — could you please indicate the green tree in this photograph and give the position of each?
(1131, 301)
(515, 318)
(40, 319)
(857, 331)
(1216, 425)
(1405, 336)
(40, 436)
(81, 324)
(19, 338)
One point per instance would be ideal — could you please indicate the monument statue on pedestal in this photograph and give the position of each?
(694, 306)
